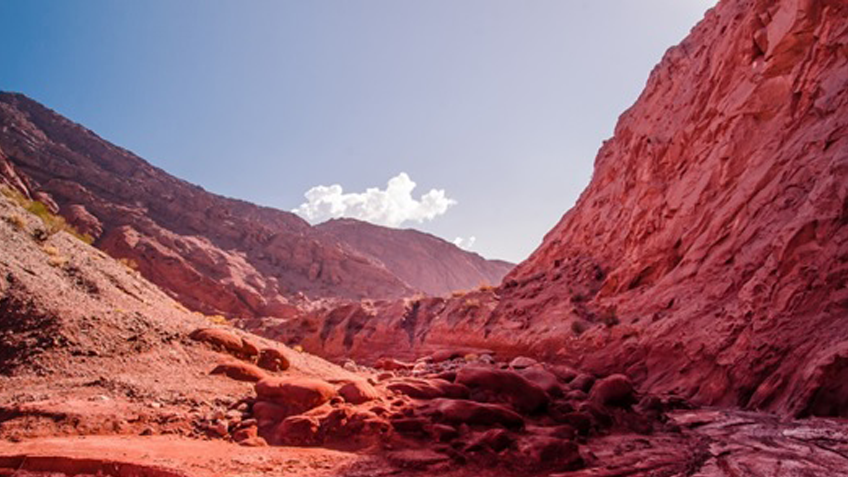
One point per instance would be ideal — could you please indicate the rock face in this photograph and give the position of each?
(425, 262)
(709, 254)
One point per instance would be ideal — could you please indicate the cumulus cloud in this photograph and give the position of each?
(391, 207)
(465, 243)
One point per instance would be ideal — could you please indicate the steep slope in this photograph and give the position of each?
(215, 254)
(101, 373)
(709, 254)
(426, 262)
(714, 227)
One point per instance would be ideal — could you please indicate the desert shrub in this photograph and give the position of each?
(129, 263)
(16, 221)
(58, 261)
(218, 319)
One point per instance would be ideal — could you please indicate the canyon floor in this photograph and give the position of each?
(64, 435)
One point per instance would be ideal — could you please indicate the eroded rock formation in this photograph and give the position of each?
(709, 254)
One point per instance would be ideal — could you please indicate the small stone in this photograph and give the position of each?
(522, 362)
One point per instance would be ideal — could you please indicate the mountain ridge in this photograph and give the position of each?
(216, 254)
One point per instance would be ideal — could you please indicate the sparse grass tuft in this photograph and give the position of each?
(129, 263)
(16, 221)
(218, 319)
(53, 223)
(58, 261)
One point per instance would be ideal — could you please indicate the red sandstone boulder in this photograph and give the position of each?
(298, 431)
(245, 433)
(581, 421)
(542, 378)
(297, 395)
(268, 413)
(249, 348)
(614, 390)
(583, 382)
(390, 364)
(494, 440)
(429, 388)
(410, 425)
(443, 432)
(564, 373)
(459, 411)
(522, 362)
(509, 386)
(273, 360)
(240, 371)
(544, 451)
(416, 458)
(224, 340)
(358, 392)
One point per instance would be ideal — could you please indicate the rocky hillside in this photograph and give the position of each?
(101, 373)
(709, 254)
(214, 254)
(426, 262)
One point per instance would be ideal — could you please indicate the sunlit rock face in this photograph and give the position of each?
(709, 254)
(427, 263)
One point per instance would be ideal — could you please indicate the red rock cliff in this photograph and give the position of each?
(714, 228)
(709, 254)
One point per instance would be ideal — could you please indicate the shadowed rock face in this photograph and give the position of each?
(426, 262)
(709, 254)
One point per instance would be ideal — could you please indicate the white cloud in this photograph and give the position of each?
(465, 243)
(391, 207)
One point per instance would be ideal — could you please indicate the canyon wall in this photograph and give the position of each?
(708, 257)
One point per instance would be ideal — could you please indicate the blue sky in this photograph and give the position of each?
(501, 105)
